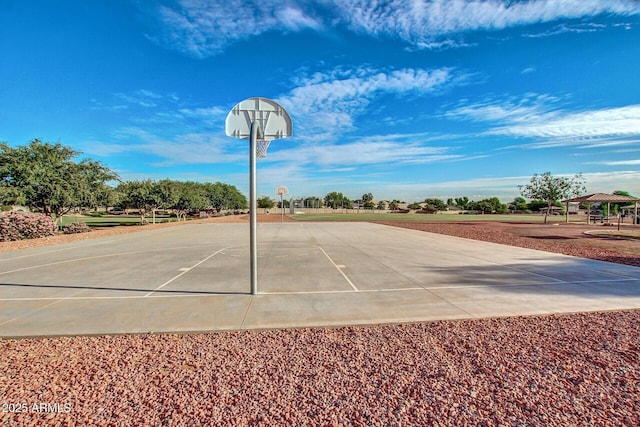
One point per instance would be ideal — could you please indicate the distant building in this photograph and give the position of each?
(295, 204)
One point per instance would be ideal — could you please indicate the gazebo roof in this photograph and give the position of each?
(603, 198)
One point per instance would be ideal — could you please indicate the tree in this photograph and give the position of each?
(164, 195)
(312, 202)
(265, 202)
(224, 196)
(233, 198)
(138, 195)
(382, 205)
(415, 206)
(285, 203)
(518, 204)
(190, 196)
(537, 205)
(369, 205)
(622, 193)
(368, 197)
(434, 205)
(492, 205)
(552, 189)
(394, 205)
(46, 178)
(462, 202)
(337, 200)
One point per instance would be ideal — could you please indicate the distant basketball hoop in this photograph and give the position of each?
(281, 191)
(260, 120)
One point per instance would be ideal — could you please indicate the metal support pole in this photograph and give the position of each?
(253, 208)
(281, 209)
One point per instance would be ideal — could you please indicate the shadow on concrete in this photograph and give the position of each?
(570, 278)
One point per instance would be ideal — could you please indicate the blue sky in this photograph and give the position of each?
(403, 99)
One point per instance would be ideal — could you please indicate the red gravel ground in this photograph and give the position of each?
(562, 370)
(568, 239)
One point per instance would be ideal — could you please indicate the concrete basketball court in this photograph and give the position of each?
(195, 277)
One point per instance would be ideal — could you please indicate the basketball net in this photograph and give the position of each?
(261, 147)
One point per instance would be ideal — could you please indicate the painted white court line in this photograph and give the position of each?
(185, 270)
(67, 261)
(203, 294)
(339, 268)
(73, 245)
(342, 292)
(54, 301)
(214, 294)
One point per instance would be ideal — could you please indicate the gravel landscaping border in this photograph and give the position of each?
(558, 370)
(561, 370)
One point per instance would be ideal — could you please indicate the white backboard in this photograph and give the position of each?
(282, 190)
(273, 120)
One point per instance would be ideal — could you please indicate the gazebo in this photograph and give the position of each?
(601, 198)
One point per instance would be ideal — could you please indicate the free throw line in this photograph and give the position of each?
(184, 271)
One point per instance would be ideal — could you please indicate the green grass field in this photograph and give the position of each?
(111, 220)
(425, 217)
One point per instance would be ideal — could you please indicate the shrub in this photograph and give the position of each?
(76, 227)
(23, 225)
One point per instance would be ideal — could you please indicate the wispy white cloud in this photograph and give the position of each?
(327, 103)
(634, 162)
(417, 20)
(583, 27)
(143, 98)
(165, 150)
(542, 118)
(579, 128)
(363, 153)
(203, 28)
(293, 18)
(326, 108)
(506, 188)
(529, 108)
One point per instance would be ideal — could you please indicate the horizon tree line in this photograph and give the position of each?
(47, 178)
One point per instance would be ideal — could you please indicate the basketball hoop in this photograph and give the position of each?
(259, 120)
(261, 147)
